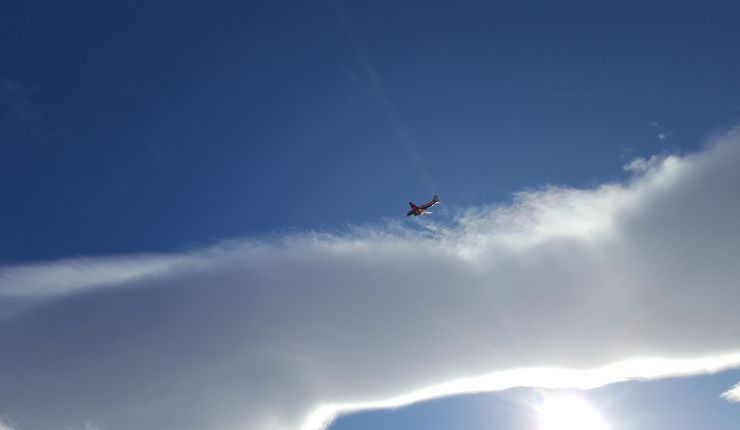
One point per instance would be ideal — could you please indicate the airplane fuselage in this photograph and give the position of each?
(422, 210)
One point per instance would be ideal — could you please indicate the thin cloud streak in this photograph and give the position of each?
(550, 290)
(73, 274)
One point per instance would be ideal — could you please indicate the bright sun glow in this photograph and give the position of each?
(569, 413)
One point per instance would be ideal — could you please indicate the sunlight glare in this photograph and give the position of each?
(569, 412)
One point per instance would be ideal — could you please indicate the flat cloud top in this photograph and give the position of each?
(561, 287)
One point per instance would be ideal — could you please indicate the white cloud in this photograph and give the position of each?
(72, 274)
(563, 287)
(641, 165)
(6, 425)
(733, 394)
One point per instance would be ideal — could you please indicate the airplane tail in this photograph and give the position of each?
(435, 199)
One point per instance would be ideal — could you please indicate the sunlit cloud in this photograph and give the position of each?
(558, 288)
(733, 394)
(549, 378)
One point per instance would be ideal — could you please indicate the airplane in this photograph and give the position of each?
(423, 209)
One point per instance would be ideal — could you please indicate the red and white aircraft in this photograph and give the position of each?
(423, 209)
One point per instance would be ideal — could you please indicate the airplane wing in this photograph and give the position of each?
(422, 210)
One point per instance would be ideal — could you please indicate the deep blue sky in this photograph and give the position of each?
(130, 126)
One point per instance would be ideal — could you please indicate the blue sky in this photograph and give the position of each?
(231, 145)
(160, 126)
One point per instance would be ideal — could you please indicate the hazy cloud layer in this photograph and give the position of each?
(282, 334)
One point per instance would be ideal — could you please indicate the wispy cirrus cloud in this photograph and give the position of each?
(662, 134)
(561, 287)
(74, 274)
